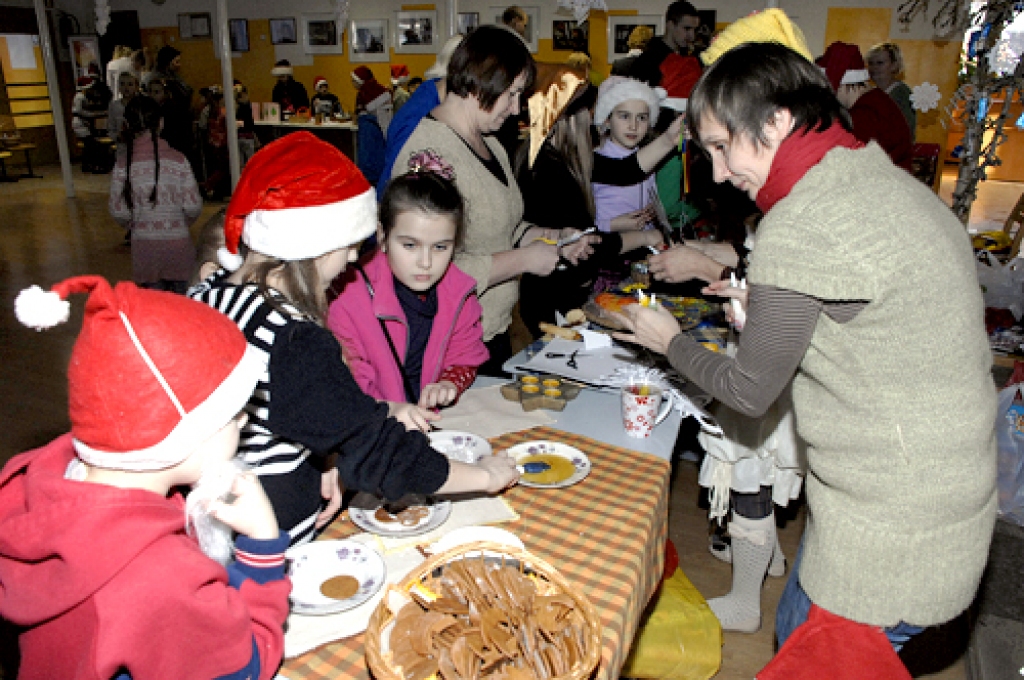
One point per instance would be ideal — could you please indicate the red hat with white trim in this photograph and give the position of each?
(152, 375)
(843, 65)
(318, 81)
(399, 74)
(298, 198)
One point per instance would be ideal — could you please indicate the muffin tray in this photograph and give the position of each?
(541, 391)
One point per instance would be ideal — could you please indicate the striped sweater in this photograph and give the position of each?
(306, 406)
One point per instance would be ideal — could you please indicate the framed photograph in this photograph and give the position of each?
(85, 56)
(416, 32)
(195, 25)
(570, 36)
(532, 23)
(468, 22)
(282, 32)
(238, 31)
(368, 40)
(322, 34)
(619, 28)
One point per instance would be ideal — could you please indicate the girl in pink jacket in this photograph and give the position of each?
(408, 319)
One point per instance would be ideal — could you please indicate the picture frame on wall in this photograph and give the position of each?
(238, 31)
(416, 32)
(85, 56)
(195, 25)
(468, 22)
(532, 23)
(322, 34)
(571, 36)
(368, 40)
(282, 31)
(620, 26)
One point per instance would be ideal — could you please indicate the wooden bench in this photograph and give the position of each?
(4, 177)
(27, 148)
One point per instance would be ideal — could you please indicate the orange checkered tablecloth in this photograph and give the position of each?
(606, 535)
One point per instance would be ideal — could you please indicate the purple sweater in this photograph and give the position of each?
(612, 201)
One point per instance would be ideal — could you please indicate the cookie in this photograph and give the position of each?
(340, 587)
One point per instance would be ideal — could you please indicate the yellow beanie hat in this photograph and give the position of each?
(770, 25)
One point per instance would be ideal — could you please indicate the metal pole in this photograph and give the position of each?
(53, 87)
(453, 17)
(227, 75)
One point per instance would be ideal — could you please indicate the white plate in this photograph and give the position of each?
(364, 506)
(312, 564)
(578, 459)
(460, 446)
(464, 535)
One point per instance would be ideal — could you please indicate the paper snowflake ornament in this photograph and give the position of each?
(925, 97)
(581, 8)
(102, 16)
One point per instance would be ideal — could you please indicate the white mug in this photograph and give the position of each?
(640, 412)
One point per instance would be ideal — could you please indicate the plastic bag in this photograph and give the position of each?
(1002, 285)
(1010, 435)
(679, 638)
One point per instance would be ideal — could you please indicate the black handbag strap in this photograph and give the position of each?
(409, 392)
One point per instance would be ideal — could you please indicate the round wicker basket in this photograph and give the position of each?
(546, 578)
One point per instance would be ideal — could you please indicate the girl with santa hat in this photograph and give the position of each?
(298, 215)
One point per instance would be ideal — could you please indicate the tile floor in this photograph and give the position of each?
(45, 237)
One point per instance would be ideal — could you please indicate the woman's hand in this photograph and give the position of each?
(330, 491)
(633, 221)
(249, 513)
(682, 263)
(539, 258)
(412, 416)
(581, 249)
(726, 289)
(438, 394)
(654, 328)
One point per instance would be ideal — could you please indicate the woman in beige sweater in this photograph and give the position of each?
(887, 354)
(486, 77)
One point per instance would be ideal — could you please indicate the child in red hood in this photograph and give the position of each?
(97, 564)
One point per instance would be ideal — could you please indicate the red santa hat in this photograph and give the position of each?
(399, 74)
(843, 65)
(318, 81)
(84, 82)
(362, 74)
(830, 646)
(298, 198)
(152, 374)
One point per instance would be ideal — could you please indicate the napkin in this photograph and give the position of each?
(484, 412)
(465, 513)
(304, 633)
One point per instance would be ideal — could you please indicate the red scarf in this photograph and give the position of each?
(797, 154)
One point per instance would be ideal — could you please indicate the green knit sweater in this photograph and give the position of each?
(494, 214)
(897, 406)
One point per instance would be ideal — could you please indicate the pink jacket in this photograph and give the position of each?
(456, 338)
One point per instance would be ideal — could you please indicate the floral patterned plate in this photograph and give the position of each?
(461, 446)
(313, 564)
(425, 515)
(577, 458)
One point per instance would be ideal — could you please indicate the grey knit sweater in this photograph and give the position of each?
(897, 405)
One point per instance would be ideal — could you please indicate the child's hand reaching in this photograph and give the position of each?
(412, 416)
(501, 471)
(438, 394)
(249, 513)
(330, 491)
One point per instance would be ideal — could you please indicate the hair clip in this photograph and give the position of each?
(430, 161)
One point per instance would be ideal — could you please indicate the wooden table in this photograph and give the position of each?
(341, 135)
(606, 535)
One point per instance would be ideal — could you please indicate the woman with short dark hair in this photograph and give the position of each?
(487, 75)
(888, 355)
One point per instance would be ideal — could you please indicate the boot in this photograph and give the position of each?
(722, 550)
(753, 541)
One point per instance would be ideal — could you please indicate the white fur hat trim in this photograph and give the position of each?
(617, 89)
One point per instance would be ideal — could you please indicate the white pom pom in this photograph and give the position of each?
(229, 260)
(39, 309)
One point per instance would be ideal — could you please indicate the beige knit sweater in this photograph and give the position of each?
(897, 406)
(494, 214)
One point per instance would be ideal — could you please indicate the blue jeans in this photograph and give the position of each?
(794, 607)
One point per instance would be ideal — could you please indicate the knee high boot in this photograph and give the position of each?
(753, 541)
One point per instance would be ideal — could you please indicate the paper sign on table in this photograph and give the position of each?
(485, 413)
